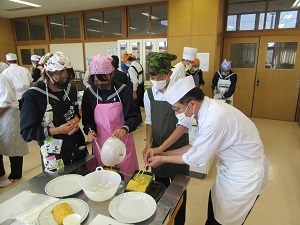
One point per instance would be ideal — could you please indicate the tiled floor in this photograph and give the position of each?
(279, 204)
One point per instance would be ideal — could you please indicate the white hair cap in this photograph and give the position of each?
(11, 57)
(189, 53)
(35, 58)
(179, 89)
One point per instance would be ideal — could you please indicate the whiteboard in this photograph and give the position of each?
(74, 51)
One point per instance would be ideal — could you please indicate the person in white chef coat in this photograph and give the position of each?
(226, 133)
(11, 142)
(20, 76)
(179, 71)
(3, 66)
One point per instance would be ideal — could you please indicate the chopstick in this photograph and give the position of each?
(99, 149)
(145, 167)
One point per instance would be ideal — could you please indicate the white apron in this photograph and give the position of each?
(236, 188)
(223, 86)
(11, 141)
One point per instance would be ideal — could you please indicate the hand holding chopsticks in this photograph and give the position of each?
(95, 140)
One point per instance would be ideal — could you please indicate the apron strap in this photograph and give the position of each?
(150, 94)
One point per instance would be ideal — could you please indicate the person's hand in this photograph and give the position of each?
(92, 135)
(119, 133)
(73, 125)
(134, 95)
(150, 152)
(215, 91)
(156, 161)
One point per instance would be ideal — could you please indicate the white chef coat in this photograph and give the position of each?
(134, 77)
(20, 77)
(158, 96)
(3, 66)
(11, 141)
(86, 79)
(178, 73)
(225, 132)
(7, 93)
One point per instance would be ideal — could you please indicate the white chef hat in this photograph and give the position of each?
(35, 58)
(179, 89)
(189, 53)
(11, 57)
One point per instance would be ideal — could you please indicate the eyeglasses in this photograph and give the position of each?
(178, 108)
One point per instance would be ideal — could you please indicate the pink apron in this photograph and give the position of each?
(109, 117)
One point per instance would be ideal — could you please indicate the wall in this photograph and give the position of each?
(198, 24)
(6, 38)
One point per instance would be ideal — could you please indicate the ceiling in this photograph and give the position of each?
(9, 9)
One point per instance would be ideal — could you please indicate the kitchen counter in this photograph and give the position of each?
(166, 207)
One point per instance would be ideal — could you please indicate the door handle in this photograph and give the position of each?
(257, 81)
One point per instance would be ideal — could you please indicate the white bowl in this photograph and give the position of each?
(113, 151)
(101, 184)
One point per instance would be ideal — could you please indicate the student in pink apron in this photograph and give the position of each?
(108, 110)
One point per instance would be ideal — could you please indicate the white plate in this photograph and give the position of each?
(79, 206)
(63, 186)
(132, 207)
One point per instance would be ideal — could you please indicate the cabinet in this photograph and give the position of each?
(140, 48)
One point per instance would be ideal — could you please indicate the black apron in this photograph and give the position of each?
(163, 125)
(70, 151)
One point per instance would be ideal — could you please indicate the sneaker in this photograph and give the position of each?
(7, 182)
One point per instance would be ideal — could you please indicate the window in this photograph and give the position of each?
(37, 29)
(148, 20)
(72, 26)
(288, 19)
(139, 19)
(281, 55)
(247, 21)
(112, 23)
(93, 21)
(270, 21)
(25, 56)
(159, 19)
(56, 27)
(21, 29)
(231, 22)
(64, 27)
(243, 55)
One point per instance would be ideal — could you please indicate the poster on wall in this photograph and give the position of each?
(112, 50)
(204, 61)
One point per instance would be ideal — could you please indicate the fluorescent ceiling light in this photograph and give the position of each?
(152, 17)
(98, 31)
(117, 34)
(25, 3)
(296, 3)
(133, 28)
(58, 24)
(100, 21)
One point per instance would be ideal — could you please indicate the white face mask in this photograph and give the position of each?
(183, 118)
(188, 66)
(158, 85)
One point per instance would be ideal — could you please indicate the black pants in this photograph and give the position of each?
(16, 166)
(210, 213)
(180, 217)
(20, 104)
(138, 107)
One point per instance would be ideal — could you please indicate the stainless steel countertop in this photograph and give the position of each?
(165, 206)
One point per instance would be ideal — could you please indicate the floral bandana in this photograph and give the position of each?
(101, 64)
(57, 62)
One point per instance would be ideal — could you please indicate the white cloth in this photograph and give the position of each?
(20, 77)
(7, 93)
(178, 72)
(158, 96)
(223, 131)
(3, 66)
(135, 79)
